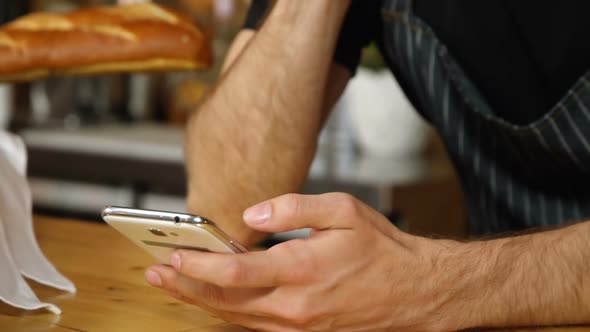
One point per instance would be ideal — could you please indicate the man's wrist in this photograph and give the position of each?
(472, 279)
(535, 279)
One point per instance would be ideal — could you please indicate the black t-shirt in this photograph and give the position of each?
(523, 55)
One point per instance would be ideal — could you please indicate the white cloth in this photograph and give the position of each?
(20, 254)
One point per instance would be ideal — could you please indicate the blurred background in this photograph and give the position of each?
(118, 139)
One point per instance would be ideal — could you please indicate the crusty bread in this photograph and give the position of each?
(127, 38)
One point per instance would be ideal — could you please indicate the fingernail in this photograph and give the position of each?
(175, 261)
(153, 278)
(258, 214)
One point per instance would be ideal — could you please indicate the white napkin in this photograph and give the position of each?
(20, 254)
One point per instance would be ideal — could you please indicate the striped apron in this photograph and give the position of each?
(514, 176)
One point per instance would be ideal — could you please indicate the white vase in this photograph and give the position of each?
(384, 122)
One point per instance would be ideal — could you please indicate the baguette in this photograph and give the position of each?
(100, 40)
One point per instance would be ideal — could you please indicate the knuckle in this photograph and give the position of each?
(306, 262)
(234, 274)
(347, 204)
(291, 205)
(297, 312)
(213, 295)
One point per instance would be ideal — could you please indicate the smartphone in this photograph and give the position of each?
(161, 233)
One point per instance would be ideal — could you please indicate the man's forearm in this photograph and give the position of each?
(537, 279)
(255, 136)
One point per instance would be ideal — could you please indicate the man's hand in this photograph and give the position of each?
(355, 272)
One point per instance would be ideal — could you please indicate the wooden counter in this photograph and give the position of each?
(112, 294)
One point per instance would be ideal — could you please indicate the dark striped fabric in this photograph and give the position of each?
(514, 176)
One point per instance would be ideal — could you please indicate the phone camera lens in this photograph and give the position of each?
(157, 232)
(177, 219)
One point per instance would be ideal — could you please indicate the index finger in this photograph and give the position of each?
(249, 270)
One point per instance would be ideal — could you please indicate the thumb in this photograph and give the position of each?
(292, 211)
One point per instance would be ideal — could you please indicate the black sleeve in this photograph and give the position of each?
(358, 30)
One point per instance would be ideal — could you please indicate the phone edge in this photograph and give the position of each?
(174, 217)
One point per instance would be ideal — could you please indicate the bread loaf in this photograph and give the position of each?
(126, 38)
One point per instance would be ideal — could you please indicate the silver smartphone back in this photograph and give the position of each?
(160, 233)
